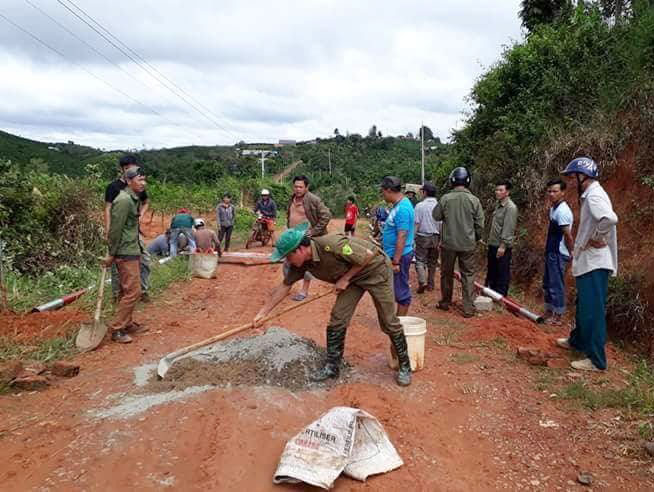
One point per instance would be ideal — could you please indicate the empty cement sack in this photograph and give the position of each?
(343, 440)
(203, 265)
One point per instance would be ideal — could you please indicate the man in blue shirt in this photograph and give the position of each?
(558, 246)
(397, 239)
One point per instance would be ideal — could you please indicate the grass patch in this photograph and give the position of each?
(497, 343)
(24, 292)
(464, 358)
(49, 288)
(544, 380)
(43, 351)
(637, 395)
(446, 338)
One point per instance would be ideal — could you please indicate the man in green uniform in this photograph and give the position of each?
(463, 223)
(355, 266)
(125, 251)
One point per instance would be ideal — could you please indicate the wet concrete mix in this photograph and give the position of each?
(275, 358)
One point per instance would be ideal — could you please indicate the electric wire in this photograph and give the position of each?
(138, 60)
(97, 77)
(105, 57)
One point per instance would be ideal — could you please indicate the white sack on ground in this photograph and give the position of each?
(345, 440)
(203, 265)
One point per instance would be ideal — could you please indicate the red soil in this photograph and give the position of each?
(480, 425)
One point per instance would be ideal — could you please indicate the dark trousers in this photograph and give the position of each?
(589, 334)
(553, 282)
(466, 268)
(426, 258)
(226, 233)
(498, 274)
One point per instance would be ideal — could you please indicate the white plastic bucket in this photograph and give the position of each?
(414, 331)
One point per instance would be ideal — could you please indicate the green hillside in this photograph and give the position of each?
(60, 158)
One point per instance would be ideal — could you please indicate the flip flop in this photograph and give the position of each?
(299, 297)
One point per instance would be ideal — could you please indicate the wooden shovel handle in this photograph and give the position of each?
(98, 305)
(234, 331)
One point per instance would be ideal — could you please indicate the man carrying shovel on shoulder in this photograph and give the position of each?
(355, 266)
(125, 251)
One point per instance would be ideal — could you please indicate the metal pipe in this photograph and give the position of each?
(511, 305)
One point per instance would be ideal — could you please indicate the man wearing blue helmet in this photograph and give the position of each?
(594, 258)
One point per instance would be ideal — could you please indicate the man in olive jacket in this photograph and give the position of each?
(303, 207)
(463, 223)
(125, 251)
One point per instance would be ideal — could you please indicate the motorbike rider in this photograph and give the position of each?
(267, 208)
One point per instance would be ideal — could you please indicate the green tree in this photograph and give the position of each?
(427, 131)
(533, 13)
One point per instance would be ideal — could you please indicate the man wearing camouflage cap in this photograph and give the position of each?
(355, 266)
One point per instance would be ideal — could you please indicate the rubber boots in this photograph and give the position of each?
(403, 377)
(335, 347)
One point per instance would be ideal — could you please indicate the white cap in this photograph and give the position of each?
(265, 192)
(199, 222)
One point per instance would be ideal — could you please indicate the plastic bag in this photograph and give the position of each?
(344, 439)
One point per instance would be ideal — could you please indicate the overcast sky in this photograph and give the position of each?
(258, 70)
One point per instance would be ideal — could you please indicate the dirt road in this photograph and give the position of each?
(475, 418)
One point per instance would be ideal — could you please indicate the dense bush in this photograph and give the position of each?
(562, 92)
(47, 221)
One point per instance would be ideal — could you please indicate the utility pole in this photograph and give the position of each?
(263, 168)
(422, 151)
(329, 158)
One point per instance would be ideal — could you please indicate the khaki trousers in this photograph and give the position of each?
(129, 274)
(466, 268)
(379, 284)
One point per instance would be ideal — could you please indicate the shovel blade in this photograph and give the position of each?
(164, 365)
(90, 336)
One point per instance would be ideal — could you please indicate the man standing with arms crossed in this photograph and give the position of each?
(111, 192)
(500, 240)
(594, 258)
(304, 206)
(463, 223)
(125, 252)
(427, 238)
(558, 247)
(397, 239)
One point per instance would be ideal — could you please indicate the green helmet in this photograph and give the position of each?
(289, 241)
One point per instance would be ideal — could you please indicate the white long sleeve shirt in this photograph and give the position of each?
(597, 221)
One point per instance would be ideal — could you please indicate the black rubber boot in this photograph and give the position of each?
(335, 347)
(403, 377)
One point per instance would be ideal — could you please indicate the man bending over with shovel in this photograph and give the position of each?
(125, 251)
(355, 266)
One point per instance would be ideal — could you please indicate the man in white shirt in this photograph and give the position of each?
(594, 258)
(427, 238)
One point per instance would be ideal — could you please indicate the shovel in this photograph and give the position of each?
(89, 336)
(166, 362)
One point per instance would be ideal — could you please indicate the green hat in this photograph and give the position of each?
(289, 241)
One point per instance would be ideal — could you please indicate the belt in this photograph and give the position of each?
(427, 234)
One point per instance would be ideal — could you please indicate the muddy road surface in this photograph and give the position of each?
(475, 418)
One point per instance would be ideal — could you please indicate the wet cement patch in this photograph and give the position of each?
(276, 358)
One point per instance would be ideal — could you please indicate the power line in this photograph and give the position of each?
(99, 53)
(97, 77)
(139, 61)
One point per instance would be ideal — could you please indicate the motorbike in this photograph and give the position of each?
(260, 232)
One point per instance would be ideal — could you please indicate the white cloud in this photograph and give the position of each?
(266, 70)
